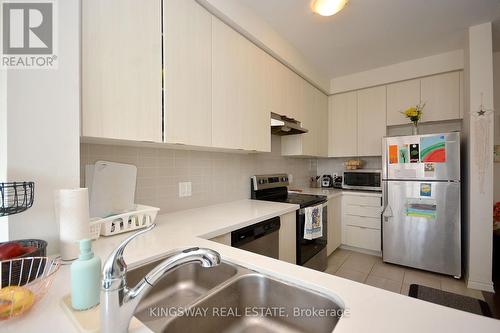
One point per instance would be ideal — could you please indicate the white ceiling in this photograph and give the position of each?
(373, 33)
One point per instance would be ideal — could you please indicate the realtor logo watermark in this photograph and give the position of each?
(29, 34)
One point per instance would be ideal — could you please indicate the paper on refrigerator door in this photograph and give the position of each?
(433, 149)
(425, 208)
(393, 154)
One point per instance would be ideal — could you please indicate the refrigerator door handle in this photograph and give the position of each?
(387, 213)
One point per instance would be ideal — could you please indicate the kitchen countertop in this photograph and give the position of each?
(334, 192)
(370, 309)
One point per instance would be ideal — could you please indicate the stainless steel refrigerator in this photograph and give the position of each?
(421, 199)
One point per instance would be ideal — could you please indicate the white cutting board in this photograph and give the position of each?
(113, 188)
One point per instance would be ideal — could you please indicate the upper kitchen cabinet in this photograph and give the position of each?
(240, 117)
(122, 85)
(321, 103)
(313, 113)
(276, 82)
(342, 125)
(371, 124)
(401, 96)
(285, 89)
(441, 95)
(188, 73)
(294, 96)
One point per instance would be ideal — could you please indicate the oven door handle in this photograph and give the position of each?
(323, 205)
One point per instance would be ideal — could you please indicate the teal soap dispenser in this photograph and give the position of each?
(85, 278)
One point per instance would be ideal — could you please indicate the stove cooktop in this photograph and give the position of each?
(304, 200)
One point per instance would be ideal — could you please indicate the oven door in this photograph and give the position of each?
(307, 249)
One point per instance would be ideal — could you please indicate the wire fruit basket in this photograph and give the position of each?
(24, 282)
(16, 197)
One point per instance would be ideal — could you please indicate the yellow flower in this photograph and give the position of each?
(411, 112)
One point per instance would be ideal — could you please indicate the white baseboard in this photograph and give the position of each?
(485, 286)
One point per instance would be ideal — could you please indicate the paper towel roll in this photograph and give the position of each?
(72, 212)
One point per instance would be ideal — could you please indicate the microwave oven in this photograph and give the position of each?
(362, 179)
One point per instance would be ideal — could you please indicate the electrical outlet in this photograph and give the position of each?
(290, 178)
(185, 189)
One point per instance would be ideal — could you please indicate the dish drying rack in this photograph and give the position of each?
(141, 217)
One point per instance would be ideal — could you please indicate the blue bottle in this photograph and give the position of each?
(85, 278)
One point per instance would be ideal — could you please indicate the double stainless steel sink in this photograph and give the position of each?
(231, 298)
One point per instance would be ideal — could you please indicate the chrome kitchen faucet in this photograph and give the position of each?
(118, 301)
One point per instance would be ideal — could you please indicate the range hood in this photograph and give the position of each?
(282, 125)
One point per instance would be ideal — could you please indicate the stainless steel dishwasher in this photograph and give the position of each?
(261, 238)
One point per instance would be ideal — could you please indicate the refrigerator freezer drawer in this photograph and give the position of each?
(421, 225)
(363, 221)
(364, 238)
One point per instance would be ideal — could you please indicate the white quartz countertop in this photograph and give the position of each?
(370, 309)
(334, 192)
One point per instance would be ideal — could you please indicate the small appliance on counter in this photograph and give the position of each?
(327, 181)
(337, 182)
(362, 180)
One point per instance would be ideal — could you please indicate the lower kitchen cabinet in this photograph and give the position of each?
(363, 238)
(361, 221)
(287, 238)
(334, 233)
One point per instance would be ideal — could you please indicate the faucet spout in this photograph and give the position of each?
(205, 257)
(119, 302)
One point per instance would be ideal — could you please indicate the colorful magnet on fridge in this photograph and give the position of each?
(393, 154)
(414, 153)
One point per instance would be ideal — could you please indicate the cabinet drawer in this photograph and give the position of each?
(361, 200)
(362, 221)
(364, 238)
(367, 211)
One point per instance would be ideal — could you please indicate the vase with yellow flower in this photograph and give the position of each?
(414, 113)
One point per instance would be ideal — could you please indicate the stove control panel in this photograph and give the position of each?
(262, 182)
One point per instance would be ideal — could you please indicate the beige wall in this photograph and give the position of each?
(496, 87)
(439, 63)
(215, 177)
(43, 122)
(478, 171)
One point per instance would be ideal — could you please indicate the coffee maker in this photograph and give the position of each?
(327, 181)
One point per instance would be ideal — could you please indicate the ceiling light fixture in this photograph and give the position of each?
(328, 7)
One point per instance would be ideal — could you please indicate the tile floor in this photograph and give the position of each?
(373, 271)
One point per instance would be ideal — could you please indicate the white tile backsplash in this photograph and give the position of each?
(215, 177)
